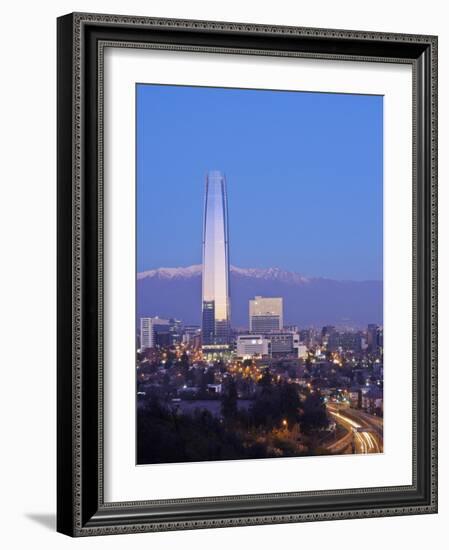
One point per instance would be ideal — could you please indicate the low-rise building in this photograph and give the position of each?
(281, 342)
(250, 345)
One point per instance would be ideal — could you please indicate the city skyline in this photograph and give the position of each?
(326, 183)
(228, 175)
(311, 302)
(264, 314)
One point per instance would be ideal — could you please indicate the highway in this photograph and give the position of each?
(366, 430)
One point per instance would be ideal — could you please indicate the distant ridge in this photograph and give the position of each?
(176, 292)
(195, 270)
(171, 272)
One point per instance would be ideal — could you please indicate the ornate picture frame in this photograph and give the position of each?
(81, 507)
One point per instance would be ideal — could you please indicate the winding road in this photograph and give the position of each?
(364, 431)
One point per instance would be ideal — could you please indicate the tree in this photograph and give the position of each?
(266, 381)
(166, 380)
(229, 402)
(275, 404)
(169, 436)
(184, 363)
(314, 415)
(290, 403)
(203, 384)
(220, 365)
(210, 376)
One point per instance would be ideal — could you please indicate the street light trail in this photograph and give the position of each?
(366, 431)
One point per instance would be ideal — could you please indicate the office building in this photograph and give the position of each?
(346, 341)
(281, 343)
(302, 352)
(250, 345)
(190, 333)
(265, 315)
(175, 331)
(374, 338)
(153, 331)
(307, 336)
(326, 332)
(298, 346)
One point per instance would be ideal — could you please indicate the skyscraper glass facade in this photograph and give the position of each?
(216, 300)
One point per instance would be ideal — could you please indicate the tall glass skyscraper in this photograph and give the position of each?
(216, 302)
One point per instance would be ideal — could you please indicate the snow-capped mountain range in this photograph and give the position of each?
(271, 273)
(176, 292)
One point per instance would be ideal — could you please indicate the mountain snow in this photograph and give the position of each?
(271, 273)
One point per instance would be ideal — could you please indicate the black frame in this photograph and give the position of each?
(81, 509)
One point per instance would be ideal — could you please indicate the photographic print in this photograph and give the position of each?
(259, 273)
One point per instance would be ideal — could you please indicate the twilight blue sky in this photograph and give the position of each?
(304, 176)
